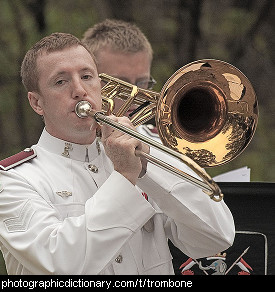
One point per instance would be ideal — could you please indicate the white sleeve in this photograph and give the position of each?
(197, 225)
(33, 232)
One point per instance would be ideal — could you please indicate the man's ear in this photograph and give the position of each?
(35, 102)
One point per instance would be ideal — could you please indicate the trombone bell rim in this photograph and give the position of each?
(231, 108)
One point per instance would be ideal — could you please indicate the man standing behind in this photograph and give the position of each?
(123, 51)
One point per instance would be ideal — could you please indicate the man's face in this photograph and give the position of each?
(130, 67)
(65, 78)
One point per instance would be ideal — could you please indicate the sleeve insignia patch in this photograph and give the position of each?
(20, 222)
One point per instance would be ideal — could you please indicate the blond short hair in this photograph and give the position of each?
(52, 43)
(118, 35)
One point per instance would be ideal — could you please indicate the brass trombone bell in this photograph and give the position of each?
(207, 110)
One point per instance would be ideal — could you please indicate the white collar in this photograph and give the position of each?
(70, 150)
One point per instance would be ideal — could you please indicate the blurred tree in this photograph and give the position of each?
(192, 35)
(37, 9)
(122, 9)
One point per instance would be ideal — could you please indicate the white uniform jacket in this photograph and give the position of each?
(67, 211)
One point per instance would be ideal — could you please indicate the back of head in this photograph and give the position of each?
(118, 35)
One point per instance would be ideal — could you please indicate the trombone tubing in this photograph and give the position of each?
(100, 117)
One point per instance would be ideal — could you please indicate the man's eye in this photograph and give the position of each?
(86, 77)
(60, 82)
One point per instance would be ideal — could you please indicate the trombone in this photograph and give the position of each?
(206, 114)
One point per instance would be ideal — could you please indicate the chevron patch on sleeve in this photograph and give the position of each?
(21, 222)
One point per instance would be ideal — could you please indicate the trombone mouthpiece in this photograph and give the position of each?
(82, 108)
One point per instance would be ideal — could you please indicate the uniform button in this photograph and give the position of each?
(93, 168)
(119, 259)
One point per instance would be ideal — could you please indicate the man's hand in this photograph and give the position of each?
(121, 147)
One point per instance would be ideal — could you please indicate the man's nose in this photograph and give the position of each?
(79, 90)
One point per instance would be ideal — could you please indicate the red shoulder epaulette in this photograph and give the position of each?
(17, 159)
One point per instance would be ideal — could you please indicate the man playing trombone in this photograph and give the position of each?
(75, 203)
